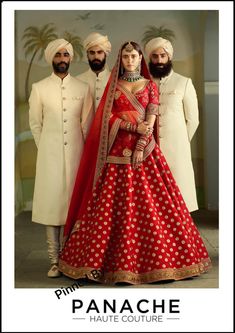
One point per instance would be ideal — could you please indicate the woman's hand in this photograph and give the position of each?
(137, 158)
(144, 128)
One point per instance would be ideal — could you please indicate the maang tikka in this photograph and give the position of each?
(129, 47)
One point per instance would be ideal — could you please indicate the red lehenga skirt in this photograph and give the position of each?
(136, 229)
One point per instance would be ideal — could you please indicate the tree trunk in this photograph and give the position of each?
(27, 77)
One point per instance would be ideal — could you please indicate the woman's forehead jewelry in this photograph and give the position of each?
(129, 47)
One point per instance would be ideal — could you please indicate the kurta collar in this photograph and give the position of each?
(164, 79)
(58, 80)
(101, 75)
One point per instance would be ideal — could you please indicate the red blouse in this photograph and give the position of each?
(132, 107)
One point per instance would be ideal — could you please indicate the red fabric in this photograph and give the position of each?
(85, 176)
(123, 109)
(134, 225)
(136, 229)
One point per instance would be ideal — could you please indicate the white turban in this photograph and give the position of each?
(97, 39)
(155, 43)
(55, 46)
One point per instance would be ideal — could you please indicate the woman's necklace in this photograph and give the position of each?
(131, 76)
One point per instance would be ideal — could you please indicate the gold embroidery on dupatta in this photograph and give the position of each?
(149, 148)
(113, 132)
(103, 143)
(133, 100)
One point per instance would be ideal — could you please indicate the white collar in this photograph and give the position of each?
(57, 79)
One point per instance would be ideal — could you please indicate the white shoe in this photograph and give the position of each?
(54, 271)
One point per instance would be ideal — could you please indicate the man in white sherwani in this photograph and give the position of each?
(178, 116)
(98, 48)
(60, 114)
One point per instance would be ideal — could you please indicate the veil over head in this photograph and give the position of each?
(96, 148)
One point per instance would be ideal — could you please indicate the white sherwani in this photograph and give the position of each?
(178, 121)
(60, 114)
(97, 83)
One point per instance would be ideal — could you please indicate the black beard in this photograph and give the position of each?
(97, 65)
(59, 69)
(159, 72)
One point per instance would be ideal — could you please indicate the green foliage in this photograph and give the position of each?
(154, 32)
(76, 43)
(38, 38)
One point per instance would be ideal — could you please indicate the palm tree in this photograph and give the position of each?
(154, 32)
(36, 40)
(76, 43)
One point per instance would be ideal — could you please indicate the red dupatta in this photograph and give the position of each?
(95, 150)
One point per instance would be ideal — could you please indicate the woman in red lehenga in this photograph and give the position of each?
(127, 220)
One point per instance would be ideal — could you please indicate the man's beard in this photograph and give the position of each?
(160, 70)
(97, 65)
(61, 69)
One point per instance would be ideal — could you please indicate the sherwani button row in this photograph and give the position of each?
(45, 193)
(178, 93)
(96, 84)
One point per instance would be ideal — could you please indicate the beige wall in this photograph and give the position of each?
(188, 27)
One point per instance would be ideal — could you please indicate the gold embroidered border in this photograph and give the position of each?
(129, 277)
(149, 148)
(128, 160)
(103, 143)
(119, 159)
(113, 132)
(152, 109)
(133, 100)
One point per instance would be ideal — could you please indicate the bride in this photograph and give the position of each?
(127, 220)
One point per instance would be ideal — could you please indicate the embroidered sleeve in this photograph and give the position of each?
(152, 107)
(123, 124)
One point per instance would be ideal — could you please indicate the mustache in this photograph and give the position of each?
(62, 63)
(96, 60)
(160, 70)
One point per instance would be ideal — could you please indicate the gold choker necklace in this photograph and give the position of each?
(131, 76)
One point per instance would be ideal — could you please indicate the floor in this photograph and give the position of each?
(32, 263)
